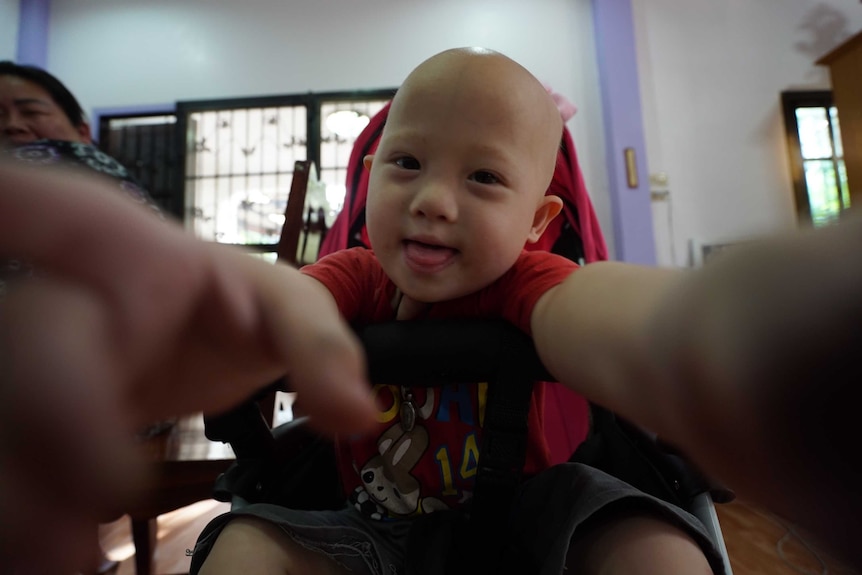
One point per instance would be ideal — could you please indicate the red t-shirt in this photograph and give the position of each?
(393, 473)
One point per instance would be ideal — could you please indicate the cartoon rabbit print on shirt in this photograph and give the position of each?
(387, 480)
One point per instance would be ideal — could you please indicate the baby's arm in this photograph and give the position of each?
(750, 365)
(188, 325)
(591, 332)
(130, 319)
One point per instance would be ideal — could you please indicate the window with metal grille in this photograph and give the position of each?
(816, 156)
(239, 157)
(147, 146)
(230, 162)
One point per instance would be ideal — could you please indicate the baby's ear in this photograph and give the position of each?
(367, 160)
(548, 209)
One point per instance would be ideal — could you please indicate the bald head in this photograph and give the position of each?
(465, 81)
(486, 71)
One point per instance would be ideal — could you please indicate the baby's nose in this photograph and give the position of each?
(435, 200)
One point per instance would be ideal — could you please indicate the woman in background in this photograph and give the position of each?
(43, 125)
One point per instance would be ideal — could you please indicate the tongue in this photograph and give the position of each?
(427, 255)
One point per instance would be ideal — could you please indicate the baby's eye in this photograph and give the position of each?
(407, 163)
(484, 177)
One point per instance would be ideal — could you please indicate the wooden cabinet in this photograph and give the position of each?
(845, 64)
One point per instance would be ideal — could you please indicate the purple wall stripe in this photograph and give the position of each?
(33, 24)
(634, 240)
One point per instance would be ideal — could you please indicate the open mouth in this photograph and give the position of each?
(426, 258)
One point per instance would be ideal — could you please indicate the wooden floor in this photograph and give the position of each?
(757, 542)
(178, 532)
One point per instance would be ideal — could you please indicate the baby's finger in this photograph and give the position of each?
(326, 361)
(60, 398)
(332, 386)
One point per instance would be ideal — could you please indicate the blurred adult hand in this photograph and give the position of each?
(130, 319)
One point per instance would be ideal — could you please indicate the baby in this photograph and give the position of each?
(457, 187)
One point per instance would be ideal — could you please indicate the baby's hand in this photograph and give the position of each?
(182, 325)
(764, 345)
(128, 320)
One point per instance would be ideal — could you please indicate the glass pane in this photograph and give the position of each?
(341, 123)
(334, 180)
(240, 209)
(845, 187)
(814, 137)
(269, 257)
(240, 170)
(836, 132)
(201, 157)
(823, 197)
(120, 123)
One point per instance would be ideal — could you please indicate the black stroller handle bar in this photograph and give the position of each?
(433, 352)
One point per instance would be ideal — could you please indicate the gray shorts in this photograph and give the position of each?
(547, 515)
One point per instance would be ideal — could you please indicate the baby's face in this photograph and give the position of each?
(456, 183)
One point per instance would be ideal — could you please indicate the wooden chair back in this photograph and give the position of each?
(294, 222)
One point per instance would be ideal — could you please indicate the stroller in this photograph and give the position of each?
(574, 234)
(291, 466)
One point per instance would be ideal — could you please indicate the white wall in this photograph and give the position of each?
(711, 74)
(8, 29)
(159, 51)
